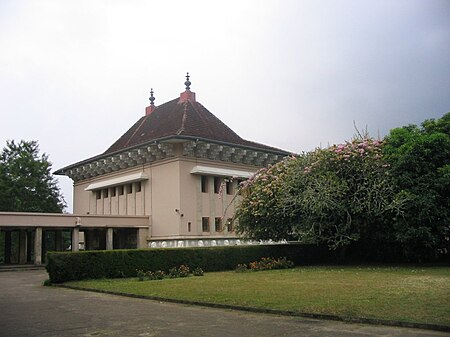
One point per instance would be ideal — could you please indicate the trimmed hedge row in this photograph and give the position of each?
(71, 266)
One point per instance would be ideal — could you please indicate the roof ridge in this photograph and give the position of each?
(137, 129)
(183, 119)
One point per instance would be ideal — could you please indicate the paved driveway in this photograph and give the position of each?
(29, 309)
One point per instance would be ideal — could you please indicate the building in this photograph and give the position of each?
(169, 181)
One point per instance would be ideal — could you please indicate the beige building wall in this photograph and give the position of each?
(165, 198)
(171, 196)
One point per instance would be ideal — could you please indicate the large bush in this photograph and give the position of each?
(332, 196)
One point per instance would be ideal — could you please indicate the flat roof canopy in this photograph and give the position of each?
(221, 172)
(131, 178)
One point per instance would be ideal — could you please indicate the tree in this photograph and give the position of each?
(419, 159)
(26, 183)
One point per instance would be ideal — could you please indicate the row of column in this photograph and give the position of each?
(26, 244)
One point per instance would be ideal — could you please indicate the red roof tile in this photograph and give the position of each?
(175, 118)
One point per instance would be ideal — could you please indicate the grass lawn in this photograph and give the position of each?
(412, 294)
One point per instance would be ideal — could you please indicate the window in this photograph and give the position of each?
(98, 194)
(129, 188)
(189, 226)
(229, 225)
(205, 224)
(218, 224)
(105, 193)
(204, 180)
(217, 182)
(229, 187)
(138, 186)
(120, 188)
(239, 182)
(113, 191)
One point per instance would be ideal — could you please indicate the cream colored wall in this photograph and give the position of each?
(85, 202)
(165, 198)
(82, 199)
(170, 187)
(196, 204)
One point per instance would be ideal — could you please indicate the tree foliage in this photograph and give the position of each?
(420, 164)
(26, 182)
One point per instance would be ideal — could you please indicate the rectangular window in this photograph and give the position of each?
(189, 226)
(98, 194)
(204, 180)
(205, 224)
(113, 191)
(239, 182)
(120, 188)
(229, 187)
(218, 224)
(129, 188)
(229, 224)
(105, 193)
(138, 186)
(217, 182)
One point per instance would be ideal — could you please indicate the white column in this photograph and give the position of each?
(142, 234)
(75, 239)
(38, 246)
(109, 239)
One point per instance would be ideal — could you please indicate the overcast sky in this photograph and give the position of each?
(75, 75)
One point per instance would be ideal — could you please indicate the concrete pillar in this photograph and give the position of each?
(59, 241)
(142, 234)
(22, 246)
(38, 246)
(75, 239)
(109, 239)
(7, 247)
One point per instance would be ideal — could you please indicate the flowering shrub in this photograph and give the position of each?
(261, 211)
(333, 196)
(150, 275)
(181, 271)
(266, 263)
(198, 272)
(241, 268)
(157, 275)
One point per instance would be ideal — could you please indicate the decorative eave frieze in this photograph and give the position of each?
(119, 161)
(156, 151)
(229, 153)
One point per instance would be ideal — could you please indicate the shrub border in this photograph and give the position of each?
(73, 266)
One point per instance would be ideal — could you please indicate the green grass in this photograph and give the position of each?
(410, 294)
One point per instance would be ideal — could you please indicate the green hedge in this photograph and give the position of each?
(70, 266)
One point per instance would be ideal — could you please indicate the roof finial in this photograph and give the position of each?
(152, 99)
(187, 83)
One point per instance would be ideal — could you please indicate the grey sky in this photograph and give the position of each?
(75, 75)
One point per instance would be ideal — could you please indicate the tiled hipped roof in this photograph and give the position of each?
(178, 118)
